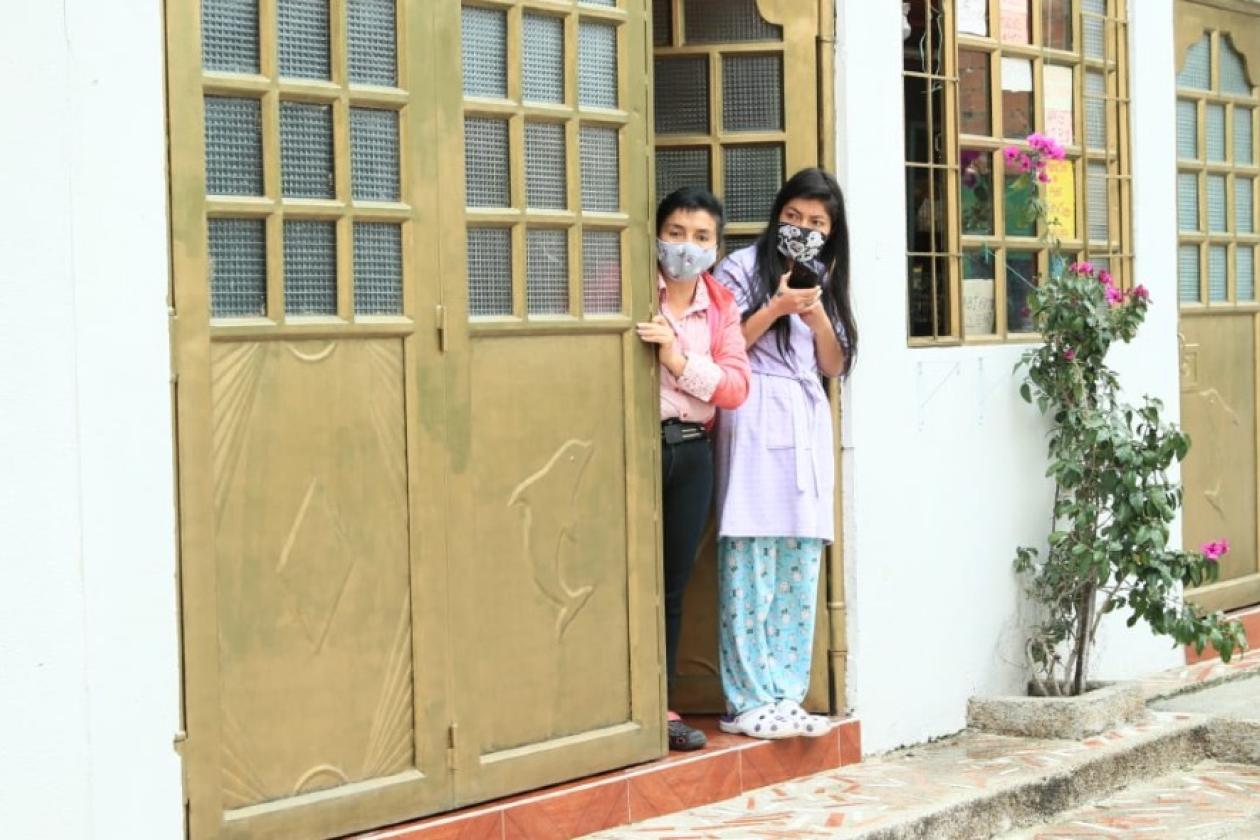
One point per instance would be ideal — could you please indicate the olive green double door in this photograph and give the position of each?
(417, 437)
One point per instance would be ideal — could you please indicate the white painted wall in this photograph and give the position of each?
(944, 463)
(89, 679)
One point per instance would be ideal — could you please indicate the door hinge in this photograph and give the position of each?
(440, 320)
(452, 747)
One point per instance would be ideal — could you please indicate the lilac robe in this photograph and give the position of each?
(774, 455)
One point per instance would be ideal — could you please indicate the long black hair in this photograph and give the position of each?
(690, 198)
(771, 265)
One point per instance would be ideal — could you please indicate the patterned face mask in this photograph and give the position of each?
(800, 244)
(683, 261)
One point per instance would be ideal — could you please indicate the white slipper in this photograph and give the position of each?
(764, 722)
(811, 726)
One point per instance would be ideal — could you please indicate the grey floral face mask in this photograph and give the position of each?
(683, 261)
(800, 244)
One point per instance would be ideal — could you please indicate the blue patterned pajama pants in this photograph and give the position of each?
(767, 595)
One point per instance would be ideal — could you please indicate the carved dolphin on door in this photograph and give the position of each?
(548, 500)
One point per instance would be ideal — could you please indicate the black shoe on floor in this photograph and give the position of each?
(683, 737)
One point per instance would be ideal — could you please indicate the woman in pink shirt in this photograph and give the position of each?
(704, 367)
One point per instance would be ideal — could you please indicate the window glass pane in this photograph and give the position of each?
(306, 150)
(484, 33)
(310, 268)
(1218, 280)
(681, 91)
(1197, 71)
(542, 62)
(979, 315)
(1096, 220)
(677, 168)
(973, 92)
(547, 272)
(1188, 272)
(1095, 110)
(374, 154)
(1056, 30)
(753, 176)
(1245, 272)
(915, 104)
(378, 269)
(1013, 15)
(1233, 72)
(601, 271)
(752, 92)
(1244, 149)
(716, 21)
(597, 65)
(1217, 210)
(1244, 205)
(238, 268)
(973, 17)
(1021, 219)
(546, 184)
(1017, 97)
(303, 36)
(1187, 129)
(928, 282)
(233, 146)
(1021, 278)
(229, 35)
(489, 271)
(601, 189)
(1060, 199)
(1060, 116)
(487, 173)
(1093, 29)
(662, 22)
(977, 192)
(1187, 201)
(919, 201)
(371, 40)
(1215, 132)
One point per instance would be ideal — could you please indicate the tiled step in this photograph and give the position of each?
(1208, 801)
(729, 766)
(1250, 618)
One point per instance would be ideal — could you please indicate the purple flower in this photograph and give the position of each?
(1214, 550)
(1069, 355)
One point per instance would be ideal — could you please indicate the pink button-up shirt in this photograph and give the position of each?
(686, 397)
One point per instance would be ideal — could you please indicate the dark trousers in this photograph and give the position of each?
(686, 493)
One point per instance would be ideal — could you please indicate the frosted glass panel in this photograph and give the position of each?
(662, 22)
(1245, 272)
(1233, 72)
(378, 268)
(1215, 132)
(303, 34)
(597, 65)
(752, 92)
(542, 63)
(1217, 210)
(547, 272)
(310, 268)
(1244, 205)
(1096, 201)
(676, 168)
(1187, 129)
(484, 33)
(1244, 146)
(753, 176)
(1218, 280)
(1095, 110)
(372, 41)
(1187, 201)
(229, 35)
(487, 174)
(681, 93)
(716, 21)
(601, 272)
(238, 268)
(1188, 272)
(489, 271)
(306, 150)
(1197, 71)
(600, 166)
(545, 179)
(233, 146)
(374, 154)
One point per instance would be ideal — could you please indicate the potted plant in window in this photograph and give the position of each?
(1114, 503)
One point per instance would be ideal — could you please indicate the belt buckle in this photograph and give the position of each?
(673, 433)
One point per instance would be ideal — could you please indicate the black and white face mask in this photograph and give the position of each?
(800, 244)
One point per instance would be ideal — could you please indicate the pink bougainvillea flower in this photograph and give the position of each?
(1114, 296)
(1069, 354)
(1025, 164)
(1214, 550)
(1081, 268)
(1139, 291)
(1048, 146)
(1012, 153)
(1104, 277)
(1043, 176)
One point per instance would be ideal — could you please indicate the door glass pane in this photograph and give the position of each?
(1244, 205)
(378, 268)
(233, 146)
(1233, 73)
(1245, 272)
(677, 168)
(752, 92)
(1218, 280)
(1056, 30)
(1187, 129)
(238, 268)
(601, 272)
(973, 92)
(484, 33)
(542, 59)
(597, 65)
(547, 272)
(1187, 201)
(1014, 18)
(374, 154)
(977, 192)
(1017, 97)
(1217, 211)
(487, 173)
(489, 271)
(306, 150)
(600, 166)
(1021, 278)
(662, 22)
(979, 315)
(372, 42)
(753, 176)
(1197, 71)
(1096, 201)
(303, 36)
(310, 268)
(1095, 110)
(546, 183)
(681, 91)
(717, 21)
(1188, 272)
(229, 35)
(1244, 150)
(1215, 132)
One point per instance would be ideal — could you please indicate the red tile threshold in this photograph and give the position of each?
(729, 766)
(1250, 618)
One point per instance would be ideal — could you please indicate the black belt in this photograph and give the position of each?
(675, 431)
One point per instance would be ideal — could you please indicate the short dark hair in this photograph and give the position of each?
(690, 198)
